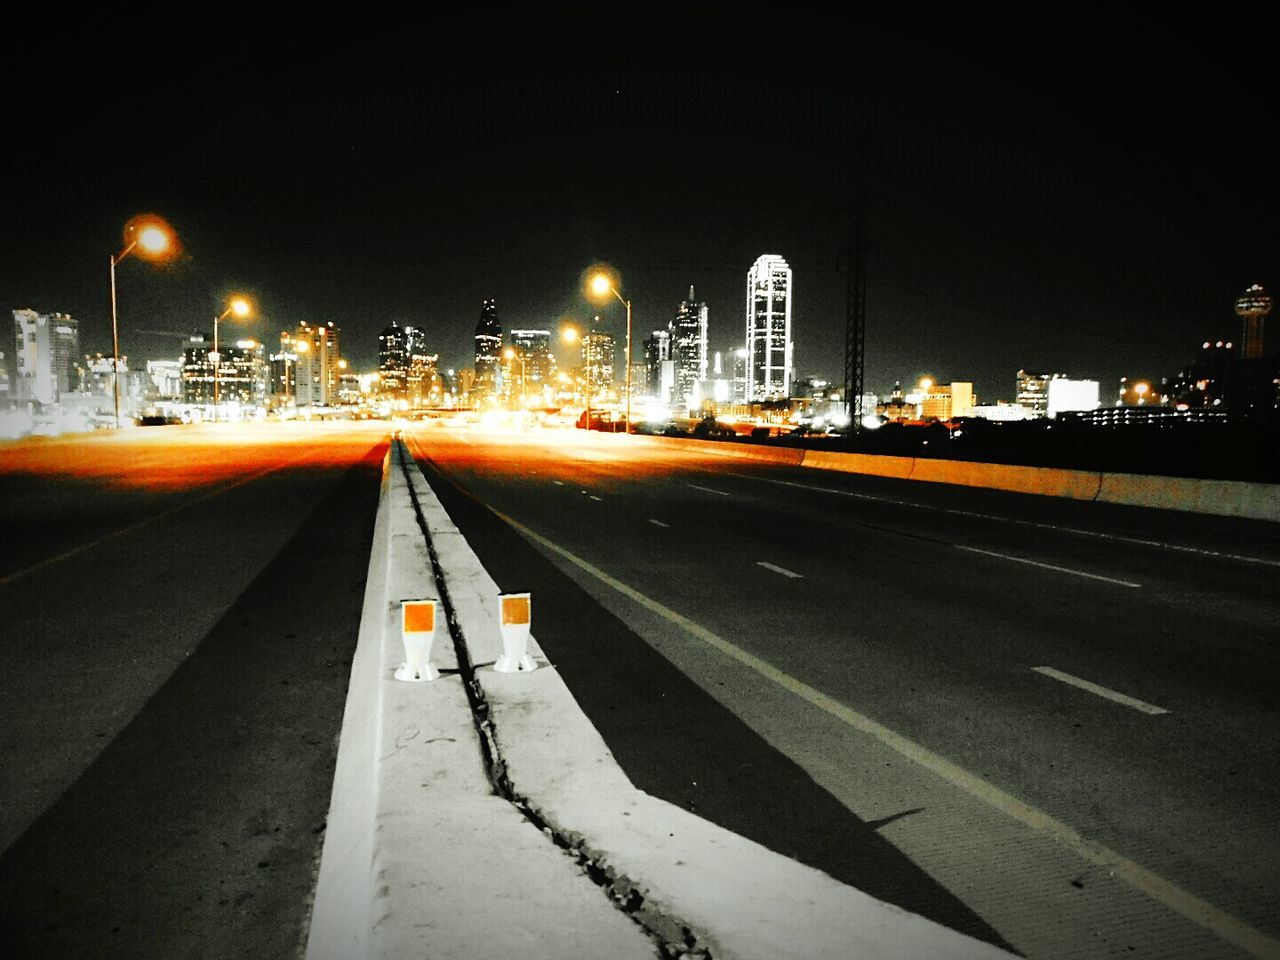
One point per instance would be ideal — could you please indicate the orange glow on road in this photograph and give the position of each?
(191, 457)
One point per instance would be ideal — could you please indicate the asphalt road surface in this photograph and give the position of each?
(179, 610)
(1050, 724)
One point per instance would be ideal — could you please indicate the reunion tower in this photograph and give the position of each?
(1252, 307)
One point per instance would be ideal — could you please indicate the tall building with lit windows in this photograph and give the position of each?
(488, 340)
(319, 364)
(393, 360)
(47, 345)
(531, 368)
(689, 348)
(768, 329)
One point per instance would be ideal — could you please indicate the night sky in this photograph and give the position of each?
(1086, 196)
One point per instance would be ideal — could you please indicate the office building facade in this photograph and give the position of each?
(769, 346)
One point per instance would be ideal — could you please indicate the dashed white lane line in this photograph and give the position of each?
(1101, 691)
(782, 570)
(710, 490)
(558, 483)
(1098, 534)
(659, 523)
(597, 499)
(1201, 912)
(1048, 566)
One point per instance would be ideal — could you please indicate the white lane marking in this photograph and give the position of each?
(1101, 691)
(598, 499)
(782, 570)
(710, 490)
(1047, 566)
(659, 523)
(1040, 525)
(1201, 912)
(558, 483)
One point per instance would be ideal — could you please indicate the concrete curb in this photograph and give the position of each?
(693, 885)
(1228, 498)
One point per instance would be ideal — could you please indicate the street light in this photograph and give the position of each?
(240, 307)
(153, 239)
(602, 285)
(571, 335)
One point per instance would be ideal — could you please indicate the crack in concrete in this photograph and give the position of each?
(674, 939)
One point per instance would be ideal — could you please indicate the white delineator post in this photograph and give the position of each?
(515, 610)
(418, 631)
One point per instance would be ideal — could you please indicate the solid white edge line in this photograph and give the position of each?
(1047, 566)
(782, 570)
(1136, 704)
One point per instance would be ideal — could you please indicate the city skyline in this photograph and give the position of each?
(1068, 201)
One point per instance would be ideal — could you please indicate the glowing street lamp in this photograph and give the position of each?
(153, 239)
(241, 308)
(601, 286)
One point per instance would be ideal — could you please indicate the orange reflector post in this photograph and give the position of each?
(418, 632)
(419, 616)
(515, 609)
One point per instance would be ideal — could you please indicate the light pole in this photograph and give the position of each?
(570, 335)
(601, 284)
(240, 307)
(152, 238)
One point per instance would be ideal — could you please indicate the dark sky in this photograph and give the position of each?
(1085, 195)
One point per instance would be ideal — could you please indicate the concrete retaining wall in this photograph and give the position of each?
(1229, 498)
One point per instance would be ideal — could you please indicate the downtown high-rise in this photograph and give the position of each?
(688, 345)
(768, 329)
(488, 340)
(47, 346)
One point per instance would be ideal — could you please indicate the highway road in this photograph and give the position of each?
(1050, 724)
(179, 609)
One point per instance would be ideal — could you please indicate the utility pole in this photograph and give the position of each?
(859, 252)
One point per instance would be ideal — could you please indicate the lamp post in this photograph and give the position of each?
(601, 285)
(570, 335)
(240, 307)
(152, 238)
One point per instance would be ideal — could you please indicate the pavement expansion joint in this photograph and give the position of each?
(674, 939)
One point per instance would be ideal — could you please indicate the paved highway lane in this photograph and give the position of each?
(1064, 713)
(179, 607)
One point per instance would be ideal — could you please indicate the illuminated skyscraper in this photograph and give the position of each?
(597, 351)
(1252, 307)
(47, 347)
(689, 348)
(488, 350)
(318, 364)
(768, 329)
(658, 372)
(393, 360)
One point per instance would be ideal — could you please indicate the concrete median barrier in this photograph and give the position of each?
(1231, 498)
(1260, 501)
